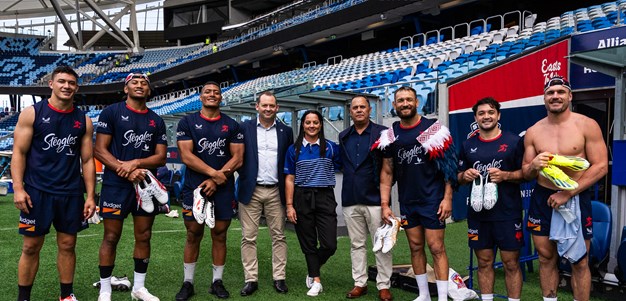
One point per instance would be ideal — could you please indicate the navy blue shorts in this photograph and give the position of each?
(223, 208)
(540, 214)
(117, 202)
(507, 235)
(65, 212)
(421, 213)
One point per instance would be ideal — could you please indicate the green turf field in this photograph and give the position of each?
(166, 269)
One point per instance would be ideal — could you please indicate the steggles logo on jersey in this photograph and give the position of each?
(77, 124)
(152, 123)
(483, 168)
(503, 148)
(210, 146)
(224, 128)
(45, 120)
(136, 140)
(411, 155)
(53, 141)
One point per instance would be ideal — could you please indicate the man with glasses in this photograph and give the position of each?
(130, 139)
(562, 132)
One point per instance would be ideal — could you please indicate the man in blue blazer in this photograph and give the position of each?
(360, 197)
(262, 189)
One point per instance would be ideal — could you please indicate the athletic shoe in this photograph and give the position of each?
(309, 281)
(570, 162)
(104, 297)
(210, 214)
(71, 297)
(490, 196)
(379, 236)
(172, 214)
(142, 294)
(558, 177)
(389, 240)
(156, 188)
(186, 292)
(199, 204)
(121, 284)
(144, 197)
(476, 197)
(164, 208)
(315, 290)
(218, 289)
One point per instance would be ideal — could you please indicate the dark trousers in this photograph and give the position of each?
(317, 221)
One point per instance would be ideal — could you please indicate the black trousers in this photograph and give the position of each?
(317, 222)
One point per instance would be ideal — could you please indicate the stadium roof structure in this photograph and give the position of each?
(21, 9)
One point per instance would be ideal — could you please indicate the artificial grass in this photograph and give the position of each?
(165, 271)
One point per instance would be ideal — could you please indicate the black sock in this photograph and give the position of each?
(24, 292)
(141, 265)
(66, 289)
(106, 271)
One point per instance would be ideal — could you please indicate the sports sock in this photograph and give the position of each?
(513, 299)
(141, 265)
(549, 299)
(24, 292)
(66, 289)
(422, 285)
(218, 271)
(139, 281)
(190, 270)
(442, 289)
(486, 297)
(105, 278)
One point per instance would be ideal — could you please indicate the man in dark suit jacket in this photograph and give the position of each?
(360, 197)
(262, 189)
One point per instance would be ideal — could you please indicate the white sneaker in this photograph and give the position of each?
(210, 214)
(172, 214)
(422, 298)
(199, 204)
(144, 197)
(476, 197)
(104, 297)
(142, 294)
(315, 290)
(309, 281)
(490, 196)
(379, 236)
(389, 240)
(156, 188)
(121, 284)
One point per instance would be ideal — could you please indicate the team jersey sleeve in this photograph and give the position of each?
(161, 133)
(337, 163)
(105, 122)
(183, 131)
(519, 153)
(290, 161)
(236, 134)
(462, 160)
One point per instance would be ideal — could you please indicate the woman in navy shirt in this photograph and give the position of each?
(310, 165)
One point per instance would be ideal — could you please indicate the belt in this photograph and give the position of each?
(267, 185)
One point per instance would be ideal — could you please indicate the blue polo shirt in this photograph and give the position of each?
(310, 170)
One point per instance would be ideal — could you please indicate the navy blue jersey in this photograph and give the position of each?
(135, 135)
(211, 143)
(53, 161)
(418, 177)
(504, 152)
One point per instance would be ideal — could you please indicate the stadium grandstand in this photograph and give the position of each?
(315, 54)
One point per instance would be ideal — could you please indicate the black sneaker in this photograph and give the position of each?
(218, 289)
(186, 291)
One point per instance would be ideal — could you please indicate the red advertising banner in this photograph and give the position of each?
(519, 82)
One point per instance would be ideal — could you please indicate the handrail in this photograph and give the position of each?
(433, 31)
(467, 32)
(519, 19)
(484, 23)
(452, 35)
(408, 40)
(334, 59)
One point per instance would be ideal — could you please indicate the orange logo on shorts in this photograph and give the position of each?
(27, 227)
(472, 236)
(533, 226)
(113, 211)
